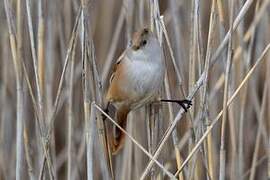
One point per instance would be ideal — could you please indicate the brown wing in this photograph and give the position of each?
(115, 91)
(118, 61)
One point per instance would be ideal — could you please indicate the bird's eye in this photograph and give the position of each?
(145, 31)
(144, 42)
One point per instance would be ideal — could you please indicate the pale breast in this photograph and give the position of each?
(145, 79)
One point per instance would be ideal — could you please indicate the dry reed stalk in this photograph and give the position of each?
(40, 117)
(41, 47)
(259, 130)
(246, 38)
(174, 134)
(86, 91)
(222, 170)
(172, 126)
(90, 136)
(259, 162)
(27, 154)
(75, 151)
(268, 125)
(221, 112)
(204, 102)
(247, 54)
(70, 113)
(46, 139)
(16, 55)
(96, 90)
(134, 141)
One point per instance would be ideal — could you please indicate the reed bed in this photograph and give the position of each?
(55, 65)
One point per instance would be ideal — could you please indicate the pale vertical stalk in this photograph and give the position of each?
(127, 154)
(90, 136)
(259, 131)
(41, 70)
(204, 103)
(192, 50)
(41, 47)
(149, 129)
(34, 56)
(222, 165)
(243, 102)
(35, 65)
(47, 73)
(3, 109)
(27, 155)
(174, 134)
(268, 124)
(20, 99)
(210, 157)
(96, 84)
(70, 118)
(192, 75)
(19, 90)
(86, 90)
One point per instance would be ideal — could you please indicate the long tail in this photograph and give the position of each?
(118, 137)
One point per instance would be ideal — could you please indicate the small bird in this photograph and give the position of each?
(137, 77)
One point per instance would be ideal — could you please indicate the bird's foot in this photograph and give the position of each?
(103, 115)
(185, 104)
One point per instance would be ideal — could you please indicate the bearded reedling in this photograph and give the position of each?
(138, 76)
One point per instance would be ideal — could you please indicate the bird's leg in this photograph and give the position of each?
(185, 104)
(106, 110)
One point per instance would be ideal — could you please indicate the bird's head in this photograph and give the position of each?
(144, 39)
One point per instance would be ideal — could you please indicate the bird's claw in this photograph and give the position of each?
(185, 104)
(103, 115)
